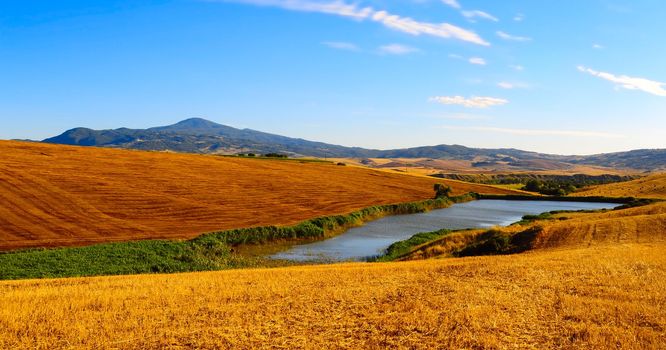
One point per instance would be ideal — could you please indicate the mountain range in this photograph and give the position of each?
(196, 135)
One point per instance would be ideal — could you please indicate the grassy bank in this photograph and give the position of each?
(401, 248)
(493, 241)
(211, 251)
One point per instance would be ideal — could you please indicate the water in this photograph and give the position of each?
(374, 237)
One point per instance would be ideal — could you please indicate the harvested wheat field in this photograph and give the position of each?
(596, 298)
(653, 186)
(644, 224)
(54, 195)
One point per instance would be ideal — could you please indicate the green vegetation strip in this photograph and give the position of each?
(402, 248)
(211, 251)
(495, 242)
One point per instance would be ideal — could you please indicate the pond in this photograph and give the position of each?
(374, 237)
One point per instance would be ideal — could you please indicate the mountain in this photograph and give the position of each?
(196, 135)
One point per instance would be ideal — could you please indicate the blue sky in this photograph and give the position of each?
(568, 77)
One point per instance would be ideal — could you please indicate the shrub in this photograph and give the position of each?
(442, 191)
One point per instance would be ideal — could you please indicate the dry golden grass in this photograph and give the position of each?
(634, 225)
(597, 298)
(645, 224)
(53, 195)
(426, 166)
(653, 186)
(607, 289)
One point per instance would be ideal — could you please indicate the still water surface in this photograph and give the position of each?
(374, 237)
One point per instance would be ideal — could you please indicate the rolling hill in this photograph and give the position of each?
(641, 224)
(653, 186)
(198, 135)
(595, 280)
(603, 297)
(54, 195)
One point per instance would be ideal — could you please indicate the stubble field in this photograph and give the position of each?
(52, 195)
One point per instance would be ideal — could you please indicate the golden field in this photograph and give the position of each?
(602, 297)
(53, 195)
(595, 281)
(428, 166)
(643, 224)
(653, 186)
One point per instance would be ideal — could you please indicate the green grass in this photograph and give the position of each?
(155, 256)
(211, 251)
(495, 242)
(402, 248)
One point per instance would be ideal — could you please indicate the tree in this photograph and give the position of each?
(442, 190)
(533, 185)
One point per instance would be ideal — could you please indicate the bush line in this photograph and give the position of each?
(210, 251)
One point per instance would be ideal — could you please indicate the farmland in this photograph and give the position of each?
(653, 186)
(54, 195)
(599, 297)
(589, 280)
(640, 224)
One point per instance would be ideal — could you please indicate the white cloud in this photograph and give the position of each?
(477, 60)
(598, 46)
(442, 30)
(452, 3)
(338, 8)
(397, 49)
(536, 132)
(517, 67)
(395, 22)
(455, 56)
(508, 85)
(629, 83)
(479, 14)
(472, 102)
(462, 116)
(340, 45)
(510, 37)
(519, 17)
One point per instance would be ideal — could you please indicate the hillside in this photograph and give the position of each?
(594, 281)
(648, 187)
(597, 298)
(56, 195)
(196, 135)
(641, 224)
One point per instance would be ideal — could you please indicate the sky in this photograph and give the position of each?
(555, 76)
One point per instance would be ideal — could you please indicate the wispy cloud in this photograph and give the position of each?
(519, 17)
(472, 102)
(517, 67)
(392, 21)
(598, 46)
(477, 60)
(341, 45)
(506, 36)
(452, 3)
(462, 116)
(397, 49)
(515, 85)
(629, 83)
(536, 132)
(479, 14)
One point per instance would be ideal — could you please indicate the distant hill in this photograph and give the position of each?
(196, 135)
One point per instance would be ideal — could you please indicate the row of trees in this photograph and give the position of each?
(267, 155)
(550, 188)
